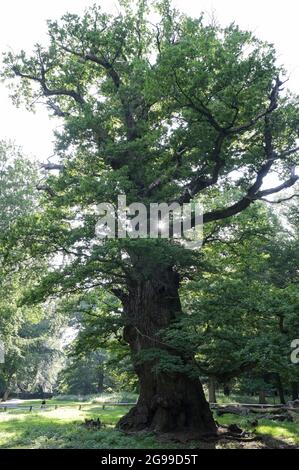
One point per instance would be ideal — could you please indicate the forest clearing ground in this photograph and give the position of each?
(63, 428)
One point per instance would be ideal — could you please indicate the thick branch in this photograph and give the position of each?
(112, 73)
(279, 201)
(47, 91)
(57, 110)
(98, 60)
(250, 197)
(287, 184)
(46, 188)
(52, 166)
(272, 106)
(198, 184)
(253, 192)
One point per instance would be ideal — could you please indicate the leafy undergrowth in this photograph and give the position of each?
(63, 428)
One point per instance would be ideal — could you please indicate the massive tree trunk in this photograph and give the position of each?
(169, 401)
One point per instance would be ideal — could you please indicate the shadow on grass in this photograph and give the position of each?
(64, 429)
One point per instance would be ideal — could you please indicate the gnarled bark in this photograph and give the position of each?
(168, 401)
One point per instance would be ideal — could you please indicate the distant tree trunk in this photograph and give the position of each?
(262, 397)
(212, 390)
(295, 391)
(5, 395)
(226, 390)
(100, 381)
(169, 400)
(280, 389)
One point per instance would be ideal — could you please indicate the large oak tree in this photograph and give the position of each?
(177, 110)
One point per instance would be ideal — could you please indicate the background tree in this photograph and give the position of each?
(30, 354)
(83, 375)
(243, 308)
(96, 318)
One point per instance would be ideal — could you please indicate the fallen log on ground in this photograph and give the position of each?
(235, 410)
(245, 410)
(265, 411)
(281, 417)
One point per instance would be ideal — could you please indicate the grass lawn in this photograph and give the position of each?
(63, 428)
(284, 431)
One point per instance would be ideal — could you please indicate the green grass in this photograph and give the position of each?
(63, 428)
(286, 431)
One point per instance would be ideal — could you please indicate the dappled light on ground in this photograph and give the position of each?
(63, 428)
